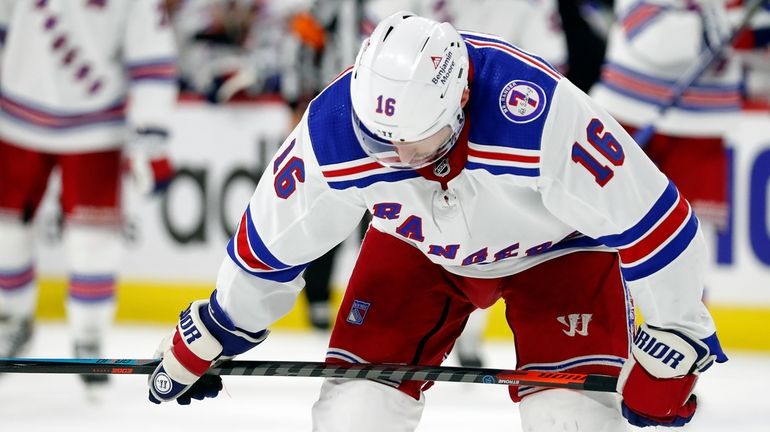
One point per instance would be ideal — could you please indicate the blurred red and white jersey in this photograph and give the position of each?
(533, 25)
(652, 45)
(69, 69)
(753, 50)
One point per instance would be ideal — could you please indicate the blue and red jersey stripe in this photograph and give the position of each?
(658, 238)
(659, 92)
(639, 17)
(503, 160)
(28, 113)
(158, 70)
(248, 251)
(487, 41)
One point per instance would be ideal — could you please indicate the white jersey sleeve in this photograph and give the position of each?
(597, 179)
(293, 218)
(149, 55)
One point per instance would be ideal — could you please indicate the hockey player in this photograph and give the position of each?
(488, 176)
(533, 26)
(644, 63)
(79, 80)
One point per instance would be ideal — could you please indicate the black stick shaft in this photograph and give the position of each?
(385, 372)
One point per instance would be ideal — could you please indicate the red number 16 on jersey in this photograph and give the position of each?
(606, 144)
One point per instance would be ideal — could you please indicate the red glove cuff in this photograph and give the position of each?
(187, 358)
(659, 398)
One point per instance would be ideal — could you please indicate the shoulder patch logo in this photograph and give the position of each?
(436, 61)
(522, 101)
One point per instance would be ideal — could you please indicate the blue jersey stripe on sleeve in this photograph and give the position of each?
(664, 256)
(258, 246)
(285, 275)
(658, 210)
(639, 17)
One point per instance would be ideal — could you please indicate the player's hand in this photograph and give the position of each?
(203, 335)
(148, 161)
(657, 380)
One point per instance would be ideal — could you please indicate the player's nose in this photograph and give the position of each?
(406, 154)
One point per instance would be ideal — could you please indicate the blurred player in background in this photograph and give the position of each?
(533, 26)
(488, 176)
(83, 83)
(752, 48)
(231, 49)
(247, 49)
(653, 44)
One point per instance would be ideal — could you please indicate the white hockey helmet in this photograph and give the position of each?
(407, 85)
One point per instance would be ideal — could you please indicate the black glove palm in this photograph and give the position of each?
(208, 386)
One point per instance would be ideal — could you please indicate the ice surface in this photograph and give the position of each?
(733, 395)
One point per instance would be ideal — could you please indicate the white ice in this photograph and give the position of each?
(732, 396)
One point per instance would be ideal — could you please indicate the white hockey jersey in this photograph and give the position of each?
(70, 67)
(653, 44)
(548, 172)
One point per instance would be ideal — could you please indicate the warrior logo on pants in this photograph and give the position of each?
(573, 321)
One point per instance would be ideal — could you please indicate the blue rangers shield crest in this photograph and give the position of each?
(522, 101)
(358, 312)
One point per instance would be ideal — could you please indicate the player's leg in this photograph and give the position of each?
(23, 180)
(571, 411)
(572, 313)
(361, 405)
(90, 201)
(398, 308)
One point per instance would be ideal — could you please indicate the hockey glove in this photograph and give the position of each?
(203, 335)
(657, 380)
(148, 161)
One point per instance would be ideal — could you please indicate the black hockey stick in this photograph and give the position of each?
(706, 58)
(389, 372)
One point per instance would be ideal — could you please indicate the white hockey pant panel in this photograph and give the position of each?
(92, 251)
(16, 258)
(559, 410)
(361, 405)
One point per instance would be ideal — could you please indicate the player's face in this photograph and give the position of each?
(408, 154)
(418, 153)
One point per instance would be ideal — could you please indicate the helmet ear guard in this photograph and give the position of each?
(407, 86)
